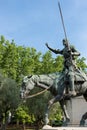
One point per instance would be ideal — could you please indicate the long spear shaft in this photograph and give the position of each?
(62, 20)
(64, 29)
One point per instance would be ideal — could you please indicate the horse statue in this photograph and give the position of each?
(57, 84)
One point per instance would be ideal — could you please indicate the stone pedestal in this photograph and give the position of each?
(76, 108)
(65, 128)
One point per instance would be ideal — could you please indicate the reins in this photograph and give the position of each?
(39, 93)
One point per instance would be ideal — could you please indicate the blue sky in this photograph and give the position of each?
(32, 23)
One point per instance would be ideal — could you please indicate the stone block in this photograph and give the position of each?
(63, 128)
(76, 108)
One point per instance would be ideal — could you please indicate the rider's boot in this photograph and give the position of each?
(72, 93)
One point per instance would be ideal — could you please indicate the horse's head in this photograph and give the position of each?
(27, 85)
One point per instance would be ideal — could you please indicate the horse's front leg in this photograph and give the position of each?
(67, 118)
(50, 103)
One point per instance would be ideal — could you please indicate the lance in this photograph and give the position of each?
(62, 22)
(64, 28)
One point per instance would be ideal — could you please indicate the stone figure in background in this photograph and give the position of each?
(69, 53)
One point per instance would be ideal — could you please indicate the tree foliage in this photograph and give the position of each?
(22, 115)
(81, 64)
(9, 97)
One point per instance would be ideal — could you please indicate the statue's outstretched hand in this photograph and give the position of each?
(46, 44)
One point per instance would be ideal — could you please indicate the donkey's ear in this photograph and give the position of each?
(29, 76)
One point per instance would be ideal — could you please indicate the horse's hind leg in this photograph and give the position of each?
(50, 103)
(82, 121)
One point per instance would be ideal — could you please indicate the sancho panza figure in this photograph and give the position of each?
(69, 54)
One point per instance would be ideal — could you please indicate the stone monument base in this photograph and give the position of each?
(47, 127)
(76, 108)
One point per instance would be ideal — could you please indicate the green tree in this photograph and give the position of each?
(28, 60)
(18, 60)
(22, 115)
(81, 64)
(58, 64)
(9, 58)
(9, 98)
(47, 63)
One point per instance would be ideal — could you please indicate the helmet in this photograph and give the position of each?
(65, 42)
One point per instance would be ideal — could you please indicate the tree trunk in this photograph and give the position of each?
(24, 126)
(37, 127)
(38, 124)
(3, 126)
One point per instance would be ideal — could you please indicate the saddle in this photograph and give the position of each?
(80, 76)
